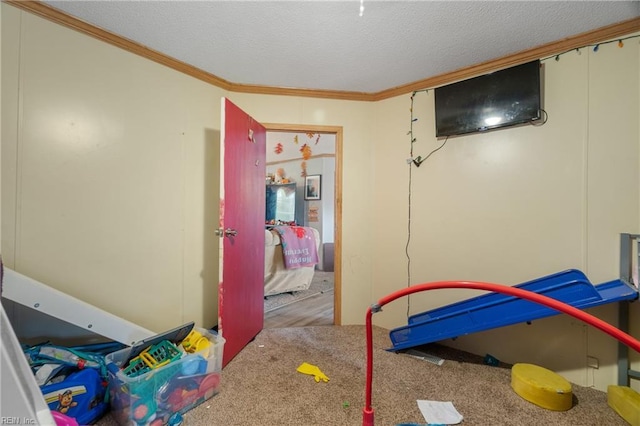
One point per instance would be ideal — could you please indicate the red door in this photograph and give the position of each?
(241, 227)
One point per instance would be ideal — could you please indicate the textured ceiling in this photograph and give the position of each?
(326, 45)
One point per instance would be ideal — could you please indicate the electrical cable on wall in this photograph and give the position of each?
(545, 117)
(411, 161)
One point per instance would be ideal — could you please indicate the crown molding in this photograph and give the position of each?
(550, 49)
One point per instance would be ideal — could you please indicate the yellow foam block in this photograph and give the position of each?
(626, 402)
(541, 387)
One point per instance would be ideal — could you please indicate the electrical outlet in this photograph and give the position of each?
(592, 362)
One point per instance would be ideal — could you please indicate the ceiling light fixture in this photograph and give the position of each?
(361, 7)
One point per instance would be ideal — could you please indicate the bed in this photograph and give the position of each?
(277, 278)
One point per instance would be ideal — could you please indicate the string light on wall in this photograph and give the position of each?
(418, 160)
(595, 47)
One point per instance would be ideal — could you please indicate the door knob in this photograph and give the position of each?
(227, 232)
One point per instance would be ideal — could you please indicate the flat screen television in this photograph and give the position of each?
(503, 98)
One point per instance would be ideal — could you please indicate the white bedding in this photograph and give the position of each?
(278, 279)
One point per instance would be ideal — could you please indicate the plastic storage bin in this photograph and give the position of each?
(157, 396)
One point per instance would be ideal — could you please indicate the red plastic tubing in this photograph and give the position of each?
(367, 412)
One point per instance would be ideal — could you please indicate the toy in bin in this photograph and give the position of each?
(153, 357)
(73, 382)
(62, 420)
(196, 342)
(175, 372)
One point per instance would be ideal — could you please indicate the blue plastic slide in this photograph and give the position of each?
(495, 310)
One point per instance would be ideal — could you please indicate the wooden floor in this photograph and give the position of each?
(314, 310)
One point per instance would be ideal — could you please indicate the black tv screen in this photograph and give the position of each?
(504, 98)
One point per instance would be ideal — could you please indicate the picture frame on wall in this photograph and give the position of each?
(312, 187)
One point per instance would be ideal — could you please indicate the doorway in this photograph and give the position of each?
(307, 140)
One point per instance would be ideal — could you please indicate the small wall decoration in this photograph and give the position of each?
(312, 215)
(312, 187)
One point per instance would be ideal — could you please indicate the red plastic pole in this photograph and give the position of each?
(368, 413)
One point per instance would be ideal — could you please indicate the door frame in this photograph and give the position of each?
(337, 202)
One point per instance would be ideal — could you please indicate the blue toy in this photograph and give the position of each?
(72, 381)
(81, 395)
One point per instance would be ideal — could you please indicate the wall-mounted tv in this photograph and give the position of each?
(503, 98)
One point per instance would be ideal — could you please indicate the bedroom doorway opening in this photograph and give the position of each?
(300, 156)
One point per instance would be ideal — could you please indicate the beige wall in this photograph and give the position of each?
(109, 189)
(516, 204)
(109, 179)
(357, 176)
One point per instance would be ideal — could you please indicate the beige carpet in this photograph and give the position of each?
(260, 386)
